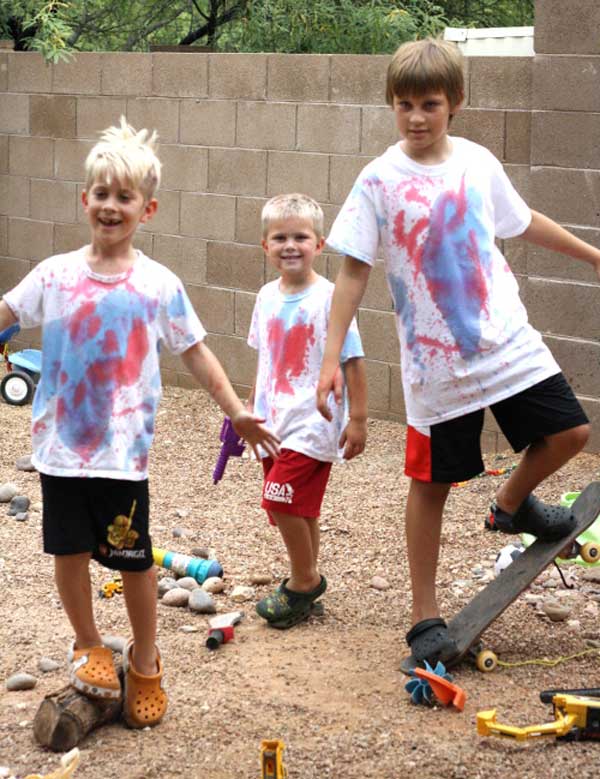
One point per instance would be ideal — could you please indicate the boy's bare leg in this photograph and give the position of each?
(298, 536)
(424, 510)
(541, 459)
(72, 576)
(139, 588)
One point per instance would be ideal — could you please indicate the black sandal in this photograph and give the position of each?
(429, 641)
(544, 521)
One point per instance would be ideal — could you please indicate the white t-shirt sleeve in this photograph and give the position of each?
(26, 300)
(355, 231)
(512, 215)
(179, 325)
(352, 346)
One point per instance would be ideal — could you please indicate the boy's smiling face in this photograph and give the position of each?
(291, 245)
(114, 211)
(422, 121)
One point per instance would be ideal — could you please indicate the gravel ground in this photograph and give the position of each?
(330, 688)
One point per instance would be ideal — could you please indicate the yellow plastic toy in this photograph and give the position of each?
(68, 764)
(577, 718)
(113, 587)
(271, 759)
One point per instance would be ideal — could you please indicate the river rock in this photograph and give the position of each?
(165, 584)
(24, 463)
(18, 504)
(21, 681)
(188, 583)
(240, 594)
(592, 575)
(8, 490)
(379, 583)
(200, 551)
(261, 578)
(201, 602)
(556, 611)
(177, 597)
(47, 665)
(213, 584)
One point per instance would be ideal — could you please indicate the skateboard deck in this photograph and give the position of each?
(489, 603)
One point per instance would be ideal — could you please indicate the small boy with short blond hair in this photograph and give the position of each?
(434, 204)
(105, 311)
(288, 330)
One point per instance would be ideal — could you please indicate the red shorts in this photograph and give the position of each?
(294, 484)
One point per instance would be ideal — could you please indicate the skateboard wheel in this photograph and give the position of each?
(590, 552)
(486, 661)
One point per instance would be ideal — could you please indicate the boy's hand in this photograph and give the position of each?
(251, 429)
(354, 438)
(329, 383)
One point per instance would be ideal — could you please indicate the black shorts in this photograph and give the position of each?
(451, 450)
(107, 517)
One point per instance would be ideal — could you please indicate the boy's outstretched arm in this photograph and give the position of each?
(350, 287)
(208, 371)
(543, 231)
(354, 435)
(7, 318)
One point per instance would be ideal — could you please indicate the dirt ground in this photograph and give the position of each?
(331, 687)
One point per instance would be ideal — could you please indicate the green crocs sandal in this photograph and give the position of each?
(285, 608)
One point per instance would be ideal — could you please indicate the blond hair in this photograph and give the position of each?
(127, 155)
(290, 206)
(430, 65)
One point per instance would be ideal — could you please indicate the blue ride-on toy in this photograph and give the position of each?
(23, 370)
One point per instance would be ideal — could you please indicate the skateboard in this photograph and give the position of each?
(489, 603)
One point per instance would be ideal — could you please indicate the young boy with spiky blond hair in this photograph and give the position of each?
(288, 329)
(434, 204)
(105, 311)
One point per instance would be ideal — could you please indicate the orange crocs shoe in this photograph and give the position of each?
(92, 672)
(145, 701)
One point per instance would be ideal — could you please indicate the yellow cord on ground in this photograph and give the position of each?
(547, 662)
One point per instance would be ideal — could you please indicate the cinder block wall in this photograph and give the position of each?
(236, 129)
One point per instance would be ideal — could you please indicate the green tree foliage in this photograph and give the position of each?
(489, 13)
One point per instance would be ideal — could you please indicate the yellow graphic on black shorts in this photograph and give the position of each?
(120, 535)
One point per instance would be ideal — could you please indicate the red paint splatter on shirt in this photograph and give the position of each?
(289, 351)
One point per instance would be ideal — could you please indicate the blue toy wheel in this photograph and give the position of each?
(17, 388)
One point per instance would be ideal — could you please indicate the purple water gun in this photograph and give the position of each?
(233, 446)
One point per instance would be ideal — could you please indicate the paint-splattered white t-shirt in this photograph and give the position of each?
(289, 332)
(464, 335)
(94, 407)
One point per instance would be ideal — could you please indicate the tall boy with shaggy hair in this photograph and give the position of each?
(105, 310)
(434, 204)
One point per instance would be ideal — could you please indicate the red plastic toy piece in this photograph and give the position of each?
(446, 692)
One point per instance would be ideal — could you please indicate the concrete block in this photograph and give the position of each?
(126, 73)
(235, 265)
(567, 28)
(30, 240)
(160, 114)
(344, 170)
(180, 75)
(81, 75)
(396, 392)
(591, 406)
(500, 82)
(208, 216)
(520, 177)
(489, 442)
(237, 76)
(214, 307)
(237, 171)
(579, 360)
(69, 159)
(208, 122)
(53, 201)
(378, 384)
(542, 262)
(70, 237)
(518, 137)
(95, 114)
(298, 172)
(168, 377)
(14, 113)
(302, 78)
(263, 125)
(359, 78)
(166, 218)
(53, 116)
(243, 308)
(568, 196)
(550, 131)
(378, 130)
(566, 83)
(559, 308)
(516, 254)
(31, 156)
(377, 295)
(328, 128)
(378, 332)
(28, 72)
(236, 357)
(330, 212)
(3, 71)
(144, 242)
(3, 236)
(12, 271)
(247, 219)
(4, 153)
(184, 168)
(482, 126)
(14, 196)
(186, 257)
